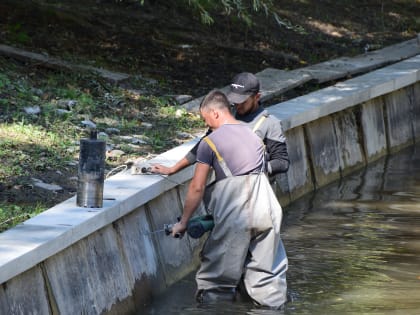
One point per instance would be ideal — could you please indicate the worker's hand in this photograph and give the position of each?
(161, 169)
(178, 230)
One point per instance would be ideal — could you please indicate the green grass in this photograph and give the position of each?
(24, 147)
(10, 214)
(34, 145)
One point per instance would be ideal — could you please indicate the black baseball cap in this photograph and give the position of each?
(243, 86)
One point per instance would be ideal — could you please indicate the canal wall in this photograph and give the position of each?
(113, 260)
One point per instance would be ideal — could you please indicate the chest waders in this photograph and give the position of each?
(245, 242)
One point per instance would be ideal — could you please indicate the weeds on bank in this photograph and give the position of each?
(10, 215)
(32, 145)
(25, 148)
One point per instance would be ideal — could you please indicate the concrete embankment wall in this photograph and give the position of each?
(72, 260)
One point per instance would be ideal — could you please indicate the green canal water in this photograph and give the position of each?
(353, 248)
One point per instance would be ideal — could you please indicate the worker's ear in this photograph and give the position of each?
(215, 113)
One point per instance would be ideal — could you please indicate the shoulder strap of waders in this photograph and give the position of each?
(259, 122)
(222, 162)
(257, 125)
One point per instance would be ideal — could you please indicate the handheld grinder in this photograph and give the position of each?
(196, 226)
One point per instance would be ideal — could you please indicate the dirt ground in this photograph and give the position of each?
(167, 43)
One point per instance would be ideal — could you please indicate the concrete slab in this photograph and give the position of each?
(350, 66)
(324, 154)
(373, 128)
(25, 246)
(398, 120)
(89, 276)
(140, 251)
(296, 112)
(173, 253)
(310, 107)
(299, 175)
(275, 82)
(4, 303)
(349, 149)
(26, 294)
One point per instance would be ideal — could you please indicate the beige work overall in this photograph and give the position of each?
(245, 241)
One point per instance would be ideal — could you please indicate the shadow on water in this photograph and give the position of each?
(353, 248)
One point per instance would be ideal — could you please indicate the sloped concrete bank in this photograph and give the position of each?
(72, 260)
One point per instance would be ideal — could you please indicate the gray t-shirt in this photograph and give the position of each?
(242, 150)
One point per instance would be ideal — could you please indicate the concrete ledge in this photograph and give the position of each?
(373, 128)
(310, 107)
(323, 150)
(347, 132)
(300, 173)
(274, 82)
(398, 120)
(344, 67)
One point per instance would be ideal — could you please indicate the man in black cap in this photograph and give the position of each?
(245, 94)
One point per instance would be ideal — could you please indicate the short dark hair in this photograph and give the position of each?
(215, 99)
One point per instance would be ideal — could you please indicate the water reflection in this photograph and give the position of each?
(353, 248)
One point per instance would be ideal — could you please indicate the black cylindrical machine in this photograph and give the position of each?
(90, 181)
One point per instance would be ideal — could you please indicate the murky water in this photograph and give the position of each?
(353, 248)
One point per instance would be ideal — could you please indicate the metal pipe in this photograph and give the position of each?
(90, 182)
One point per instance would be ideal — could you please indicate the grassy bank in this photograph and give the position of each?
(43, 115)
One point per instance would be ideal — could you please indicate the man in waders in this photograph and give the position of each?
(244, 95)
(245, 243)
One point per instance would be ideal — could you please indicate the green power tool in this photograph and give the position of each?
(196, 226)
(199, 225)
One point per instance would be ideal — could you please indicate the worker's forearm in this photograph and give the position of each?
(192, 201)
(195, 191)
(168, 170)
(179, 165)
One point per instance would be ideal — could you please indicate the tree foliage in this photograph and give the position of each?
(243, 9)
(206, 9)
